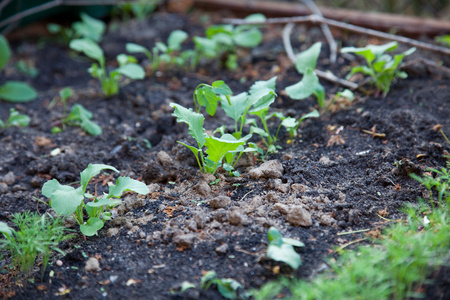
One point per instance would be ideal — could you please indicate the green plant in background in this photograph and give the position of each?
(227, 287)
(224, 39)
(140, 9)
(382, 68)
(88, 27)
(108, 80)
(66, 200)
(78, 116)
(305, 64)
(443, 39)
(37, 236)
(282, 249)
(15, 119)
(27, 68)
(166, 53)
(13, 91)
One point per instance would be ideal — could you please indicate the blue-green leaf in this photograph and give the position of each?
(91, 171)
(194, 121)
(92, 226)
(127, 184)
(16, 91)
(308, 58)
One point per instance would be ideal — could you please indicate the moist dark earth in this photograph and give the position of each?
(345, 179)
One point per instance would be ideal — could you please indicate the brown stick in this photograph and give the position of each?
(314, 19)
(405, 25)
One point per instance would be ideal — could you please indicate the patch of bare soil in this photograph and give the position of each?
(346, 171)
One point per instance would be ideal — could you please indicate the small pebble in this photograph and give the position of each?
(59, 263)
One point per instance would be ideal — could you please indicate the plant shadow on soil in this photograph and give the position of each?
(345, 178)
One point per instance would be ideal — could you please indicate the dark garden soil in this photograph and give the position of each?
(344, 178)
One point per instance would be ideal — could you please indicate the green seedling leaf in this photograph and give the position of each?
(219, 87)
(259, 131)
(218, 147)
(65, 93)
(236, 107)
(206, 46)
(194, 121)
(207, 98)
(261, 100)
(346, 94)
(127, 184)
(79, 114)
(176, 38)
(267, 84)
(319, 92)
(5, 52)
(91, 171)
(371, 52)
(92, 226)
(289, 122)
(249, 38)
(63, 199)
(89, 48)
(228, 287)
(89, 126)
(131, 70)
(6, 230)
(89, 27)
(135, 48)
(17, 92)
(304, 88)
(282, 249)
(124, 59)
(308, 58)
(17, 119)
(104, 202)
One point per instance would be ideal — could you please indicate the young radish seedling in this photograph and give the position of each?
(209, 96)
(306, 64)
(108, 80)
(381, 67)
(66, 200)
(15, 119)
(282, 249)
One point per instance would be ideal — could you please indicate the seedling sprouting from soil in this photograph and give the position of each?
(381, 67)
(222, 40)
(108, 80)
(37, 236)
(88, 27)
(13, 91)
(227, 287)
(78, 116)
(66, 200)
(216, 148)
(208, 96)
(282, 249)
(166, 53)
(306, 64)
(15, 119)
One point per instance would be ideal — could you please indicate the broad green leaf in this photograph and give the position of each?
(64, 199)
(223, 40)
(289, 122)
(219, 87)
(65, 93)
(305, 87)
(78, 112)
(293, 242)
(135, 48)
(127, 184)
(90, 127)
(185, 285)
(227, 287)
(89, 48)
(218, 147)
(248, 38)
(274, 236)
(91, 171)
(213, 30)
(194, 121)
(237, 107)
(16, 91)
(308, 58)
(259, 131)
(161, 47)
(284, 253)
(206, 46)
(17, 119)
(267, 84)
(124, 59)
(207, 98)
(347, 94)
(104, 201)
(6, 230)
(207, 279)
(89, 27)
(266, 98)
(132, 70)
(176, 38)
(252, 18)
(91, 227)
(313, 114)
(371, 52)
(5, 52)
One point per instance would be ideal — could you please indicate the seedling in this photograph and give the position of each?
(224, 39)
(27, 68)
(306, 64)
(140, 9)
(227, 287)
(78, 116)
(13, 91)
(37, 236)
(291, 124)
(216, 148)
(88, 27)
(15, 119)
(162, 52)
(282, 249)
(66, 200)
(382, 68)
(209, 96)
(345, 94)
(108, 80)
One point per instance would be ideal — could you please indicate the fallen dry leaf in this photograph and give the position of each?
(42, 141)
(335, 140)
